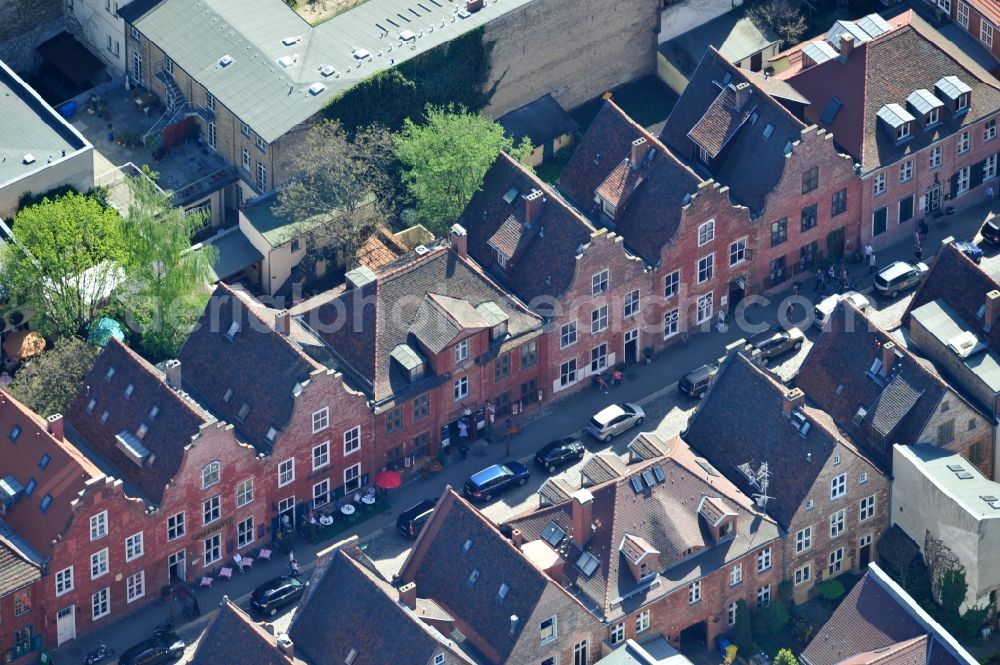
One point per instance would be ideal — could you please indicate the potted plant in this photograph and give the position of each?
(647, 354)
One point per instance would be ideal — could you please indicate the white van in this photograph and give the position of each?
(823, 311)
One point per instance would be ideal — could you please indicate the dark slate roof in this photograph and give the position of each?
(388, 307)
(887, 70)
(260, 366)
(666, 517)
(177, 420)
(544, 263)
(232, 636)
(898, 402)
(878, 614)
(750, 164)
(953, 267)
(441, 567)
(652, 212)
(539, 121)
(16, 572)
(742, 421)
(348, 606)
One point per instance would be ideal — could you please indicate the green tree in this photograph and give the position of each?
(445, 159)
(50, 382)
(63, 263)
(769, 621)
(785, 657)
(167, 279)
(743, 633)
(782, 16)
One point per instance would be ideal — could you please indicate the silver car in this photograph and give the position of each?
(615, 419)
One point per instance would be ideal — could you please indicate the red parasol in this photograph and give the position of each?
(388, 480)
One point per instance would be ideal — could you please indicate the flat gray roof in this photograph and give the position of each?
(29, 126)
(273, 98)
(941, 321)
(957, 477)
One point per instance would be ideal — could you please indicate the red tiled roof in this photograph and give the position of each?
(720, 121)
(374, 253)
(507, 238)
(16, 571)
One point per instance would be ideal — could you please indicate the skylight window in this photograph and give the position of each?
(503, 591)
(830, 112)
(553, 534)
(636, 483)
(234, 328)
(473, 576)
(768, 131)
(658, 472)
(467, 546)
(587, 564)
(647, 476)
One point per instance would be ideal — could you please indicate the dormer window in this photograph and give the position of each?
(902, 132)
(500, 258)
(962, 103)
(955, 92)
(897, 120)
(926, 106)
(933, 117)
(608, 208)
(703, 156)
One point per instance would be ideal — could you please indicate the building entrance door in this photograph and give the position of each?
(932, 200)
(66, 625)
(631, 346)
(865, 553)
(177, 565)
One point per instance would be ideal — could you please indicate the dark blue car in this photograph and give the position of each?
(494, 480)
(974, 252)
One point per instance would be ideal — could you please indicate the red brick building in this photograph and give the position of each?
(642, 575)
(917, 115)
(20, 588)
(439, 350)
(980, 18)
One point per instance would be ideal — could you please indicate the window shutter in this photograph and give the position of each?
(954, 185)
(923, 202)
(976, 174)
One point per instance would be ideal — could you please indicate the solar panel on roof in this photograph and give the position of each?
(587, 563)
(636, 484)
(658, 472)
(648, 477)
(553, 534)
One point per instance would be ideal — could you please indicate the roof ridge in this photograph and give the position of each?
(657, 143)
(546, 189)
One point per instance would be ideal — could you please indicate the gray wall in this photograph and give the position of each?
(76, 169)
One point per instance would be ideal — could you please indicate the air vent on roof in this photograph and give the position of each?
(421, 250)
(287, 61)
(407, 35)
(361, 54)
(28, 159)
(289, 41)
(327, 70)
(316, 88)
(965, 344)
(225, 60)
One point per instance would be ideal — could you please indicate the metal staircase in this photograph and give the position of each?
(178, 106)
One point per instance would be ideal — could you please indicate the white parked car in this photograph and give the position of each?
(822, 311)
(615, 419)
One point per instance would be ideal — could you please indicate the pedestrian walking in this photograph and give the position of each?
(869, 251)
(872, 265)
(916, 237)
(616, 376)
(820, 278)
(831, 273)
(293, 564)
(918, 252)
(843, 276)
(789, 311)
(795, 289)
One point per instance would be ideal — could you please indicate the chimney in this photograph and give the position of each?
(640, 147)
(55, 422)
(459, 240)
(286, 646)
(282, 322)
(846, 45)
(992, 309)
(888, 357)
(408, 595)
(517, 538)
(172, 373)
(513, 623)
(583, 516)
(742, 96)
(793, 398)
(533, 206)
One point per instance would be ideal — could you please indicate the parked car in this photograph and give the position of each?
(280, 592)
(991, 232)
(615, 419)
(899, 276)
(560, 452)
(774, 342)
(163, 648)
(822, 311)
(494, 480)
(696, 382)
(974, 252)
(411, 520)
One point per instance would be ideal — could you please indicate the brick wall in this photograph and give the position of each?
(573, 624)
(29, 622)
(974, 27)
(960, 428)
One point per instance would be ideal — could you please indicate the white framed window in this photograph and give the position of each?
(878, 184)
(175, 526)
(352, 478)
(439, 659)
(706, 267)
(286, 472)
(862, 478)
(945, 6)
(244, 493)
(642, 621)
(321, 493)
(764, 596)
(352, 440)
(210, 474)
(245, 129)
(803, 574)
(670, 323)
(838, 486)
(213, 548)
(631, 304)
(260, 143)
(963, 180)
(99, 564)
(705, 307)
(964, 142)
(935, 157)
(706, 233)
(581, 653)
(990, 130)
(738, 252)
(986, 32)
(134, 547)
(462, 350)
(837, 524)
(211, 509)
(321, 420)
(803, 539)
(933, 117)
(617, 633)
(963, 14)
(906, 171)
(135, 586)
(990, 167)
(731, 614)
(599, 358)
(836, 561)
(567, 335)
(902, 131)
(866, 509)
(261, 176)
(246, 159)
(567, 372)
(210, 101)
(599, 282)
(64, 581)
(461, 388)
(599, 320)
(100, 603)
(321, 455)
(694, 592)
(99, 525)
(244, 533)
(671, 284)
(736, 574)
(763, 560)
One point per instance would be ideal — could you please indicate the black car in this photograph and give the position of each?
(560, 452)
(696, 382)
(991, 232)
(493, 480)
(280, 592)
(411, 520)
(163, 648)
